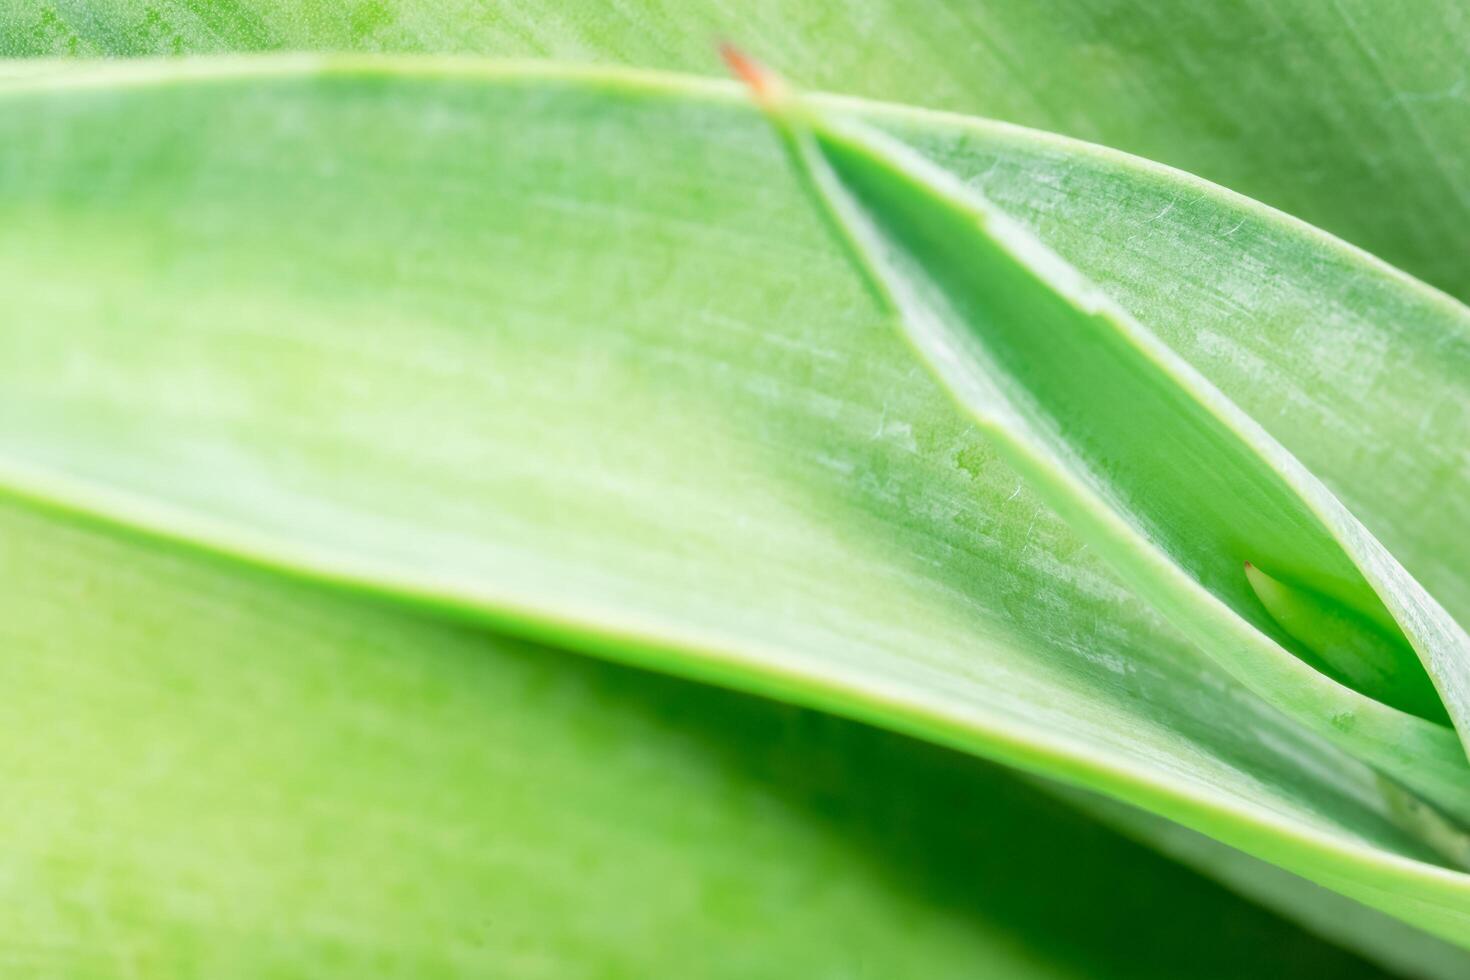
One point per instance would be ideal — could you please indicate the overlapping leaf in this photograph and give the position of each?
(1151, 464)
(612, 384)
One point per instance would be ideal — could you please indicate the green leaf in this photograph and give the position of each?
(1152, 465)
(613, 386)
(1361, 651)
(219, 774)
(1348, 114)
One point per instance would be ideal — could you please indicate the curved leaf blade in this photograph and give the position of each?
(588, 464)
(224, 774)
(1171, 481)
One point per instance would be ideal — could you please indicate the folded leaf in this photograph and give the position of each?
(572, 354)
(1155, 468)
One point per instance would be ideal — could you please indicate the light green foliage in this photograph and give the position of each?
(219, 774)
(1148, 462)
(362, 375)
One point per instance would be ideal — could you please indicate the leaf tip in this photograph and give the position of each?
(766, 87)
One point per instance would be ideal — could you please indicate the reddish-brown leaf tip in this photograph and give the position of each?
(764, 85)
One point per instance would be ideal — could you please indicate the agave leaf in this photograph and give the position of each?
(1346, 114)
(613, 386)
(1154, 466)
(222, 774)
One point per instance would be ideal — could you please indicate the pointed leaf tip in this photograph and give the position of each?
(764, 85)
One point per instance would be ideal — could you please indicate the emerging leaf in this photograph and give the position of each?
(1150, 462)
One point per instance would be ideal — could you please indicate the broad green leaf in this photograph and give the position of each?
(1152, 465)
(218, 774)
(610, 382)
(1349, 114)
